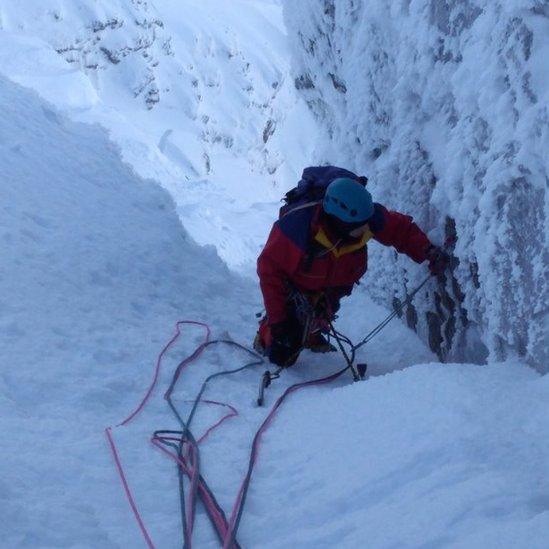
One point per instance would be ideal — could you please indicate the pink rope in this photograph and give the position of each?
(217, 517)
(233, 412)
(140, 522)
(192, 472)
(194, 475)
(182, 365)
(159, 362)
(108, 430)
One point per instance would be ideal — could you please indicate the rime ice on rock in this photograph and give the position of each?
(445, 105)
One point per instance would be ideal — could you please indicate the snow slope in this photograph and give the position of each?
(197, 97)
(435, 456)
(444, 104)
(96, 269)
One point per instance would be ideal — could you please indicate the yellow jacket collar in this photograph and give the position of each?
(323, 239)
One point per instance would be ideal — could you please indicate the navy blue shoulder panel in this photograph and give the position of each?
(296, 225)
(377, 221)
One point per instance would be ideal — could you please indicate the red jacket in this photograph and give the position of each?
(300, 253)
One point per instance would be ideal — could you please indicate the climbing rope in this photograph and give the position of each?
(397, 311)
(185, 447)
(188, 462)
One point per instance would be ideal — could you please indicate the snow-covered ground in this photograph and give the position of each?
(435, 456)
(97, 268)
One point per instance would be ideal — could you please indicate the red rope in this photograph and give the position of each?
(141, 405)
(148, 540)
(239, 502)
(233, 412)
(217, 517)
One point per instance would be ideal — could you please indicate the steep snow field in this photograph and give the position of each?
(97, 269)
(435, 456)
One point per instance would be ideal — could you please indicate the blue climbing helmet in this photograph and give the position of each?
(348, 200)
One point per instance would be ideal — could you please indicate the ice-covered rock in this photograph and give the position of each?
(445, 105)
(123, 39)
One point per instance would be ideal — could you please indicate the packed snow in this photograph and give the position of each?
(99, 262)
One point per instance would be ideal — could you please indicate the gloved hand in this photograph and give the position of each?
(286, 343)
(438, 260)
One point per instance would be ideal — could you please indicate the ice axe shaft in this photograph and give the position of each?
(266, 379)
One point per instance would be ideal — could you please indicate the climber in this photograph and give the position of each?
(317, 251)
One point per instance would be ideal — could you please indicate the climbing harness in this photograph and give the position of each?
(306, 310)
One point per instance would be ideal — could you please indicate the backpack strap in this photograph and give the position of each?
(297, 208)
(311, 254)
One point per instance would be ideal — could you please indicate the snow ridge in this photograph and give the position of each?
(197, 97)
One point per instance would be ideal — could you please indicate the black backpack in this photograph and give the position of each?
(312, 186)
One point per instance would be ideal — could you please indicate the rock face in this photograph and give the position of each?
(125, 38)
(444, 104)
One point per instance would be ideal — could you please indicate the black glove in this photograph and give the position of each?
(438, 260)
(286, 343)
